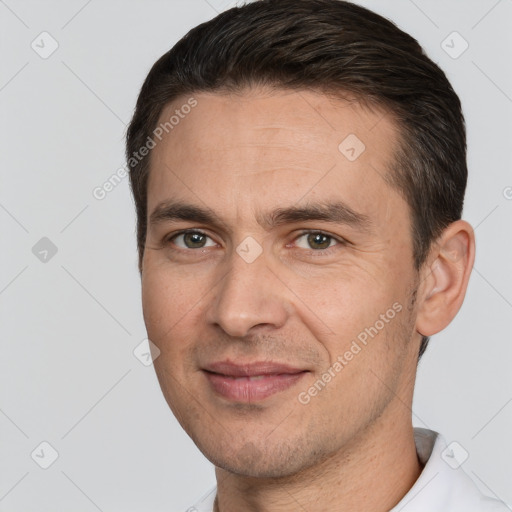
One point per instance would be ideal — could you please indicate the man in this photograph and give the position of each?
(299, 169)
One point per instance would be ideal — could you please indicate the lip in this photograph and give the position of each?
(251, 382)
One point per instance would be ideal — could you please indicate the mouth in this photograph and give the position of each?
(251, 382)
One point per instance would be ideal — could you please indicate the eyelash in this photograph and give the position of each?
(328, 250)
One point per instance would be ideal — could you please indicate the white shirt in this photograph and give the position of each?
(441, 487)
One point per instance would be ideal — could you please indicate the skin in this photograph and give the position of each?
(300, 302)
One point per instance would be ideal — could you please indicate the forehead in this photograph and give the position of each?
(274, 146)
(262, 115)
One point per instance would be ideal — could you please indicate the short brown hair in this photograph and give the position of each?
(331, 46)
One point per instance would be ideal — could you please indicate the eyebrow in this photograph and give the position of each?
(336, 212)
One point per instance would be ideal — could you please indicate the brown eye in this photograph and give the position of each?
(319, 240)
(192, 240)
(316, 241)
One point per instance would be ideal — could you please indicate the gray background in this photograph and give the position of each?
(71, 320)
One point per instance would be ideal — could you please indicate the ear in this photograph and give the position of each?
(444, 279)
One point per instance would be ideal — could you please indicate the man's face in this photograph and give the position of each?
(286, 327)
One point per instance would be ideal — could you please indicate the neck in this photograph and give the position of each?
(372, 474)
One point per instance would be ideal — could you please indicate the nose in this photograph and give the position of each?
(249, 296)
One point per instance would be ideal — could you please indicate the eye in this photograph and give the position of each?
(191, 240)
(316, 240)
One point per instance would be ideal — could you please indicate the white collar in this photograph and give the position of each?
(443, 484)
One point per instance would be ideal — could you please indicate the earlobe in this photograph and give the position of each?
(445, 280)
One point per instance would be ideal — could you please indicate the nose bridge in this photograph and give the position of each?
(248, 294)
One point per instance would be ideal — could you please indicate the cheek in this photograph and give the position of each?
(155, 304)
(169, 317)
(342, 304)
(168, 305)
(370, 328)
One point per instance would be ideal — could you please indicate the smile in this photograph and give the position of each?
(251, 382)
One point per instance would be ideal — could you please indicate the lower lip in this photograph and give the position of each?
(247, 390)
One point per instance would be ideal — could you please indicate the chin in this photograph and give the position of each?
(255, 470)
(255, 461)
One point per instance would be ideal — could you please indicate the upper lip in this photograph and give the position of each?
(253, 369)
